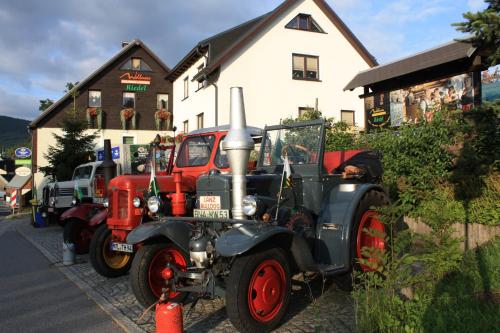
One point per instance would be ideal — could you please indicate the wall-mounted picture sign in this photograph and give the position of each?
(490, 80)
(22, 152)
(377, 113)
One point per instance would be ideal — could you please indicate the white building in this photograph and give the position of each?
(298, 56)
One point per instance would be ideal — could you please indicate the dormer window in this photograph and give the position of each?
(136, 64)
(304, 22)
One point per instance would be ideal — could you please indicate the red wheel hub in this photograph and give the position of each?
(266, 291)
(159, 273)
(369, 221)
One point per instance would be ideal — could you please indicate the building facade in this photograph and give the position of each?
(296, 57)
(127, 100)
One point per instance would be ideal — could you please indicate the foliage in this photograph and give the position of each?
(73, 148)
(13, 134)
(44, 104)
(338, 134)
(485, 28)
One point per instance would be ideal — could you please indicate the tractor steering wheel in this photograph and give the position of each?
(296, 153)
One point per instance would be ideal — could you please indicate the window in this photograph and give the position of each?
(136, 64)
(128, 140)
(186, 126)
(305, 67)
(200, 83)
(186, 87)
(347, 116)
(162, 102)
(199, 120)
(129, 100)
(195, 151)
(303, 110)
(94, 98)
(304, 22)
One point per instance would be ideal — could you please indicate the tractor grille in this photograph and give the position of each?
(123, 204)
(65, 192)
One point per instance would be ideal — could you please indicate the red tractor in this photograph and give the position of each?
(199, 153)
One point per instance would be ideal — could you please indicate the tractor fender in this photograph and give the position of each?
(241, 239)
(175, 231)
(336, 222)
(80, 212)
(98, 218)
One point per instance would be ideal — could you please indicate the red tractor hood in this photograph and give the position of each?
(140, 183)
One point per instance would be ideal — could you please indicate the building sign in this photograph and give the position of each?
(377, 113)
(22, 152)
(23, 171)
(139, 157)
(420, 101)
(115, 154)
(490, 81)
(135, 81)
(136, 87)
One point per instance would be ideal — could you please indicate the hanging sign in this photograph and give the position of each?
(22, 162)
(22, 152)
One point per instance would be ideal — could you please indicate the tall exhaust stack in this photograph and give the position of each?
(238, 144)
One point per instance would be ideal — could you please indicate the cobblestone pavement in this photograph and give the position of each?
(331, 312)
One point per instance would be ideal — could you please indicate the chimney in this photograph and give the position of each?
(125, 43)
(238, 144)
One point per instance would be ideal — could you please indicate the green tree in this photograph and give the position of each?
(73, 148)
(70, 86)
(485, 29)
(44, 104)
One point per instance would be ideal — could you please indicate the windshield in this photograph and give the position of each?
(195, 151)
(300, 144)
(162, 158)
(82, 172)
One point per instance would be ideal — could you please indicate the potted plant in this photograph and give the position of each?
(94, 115)
(163, 118)
(127, 114)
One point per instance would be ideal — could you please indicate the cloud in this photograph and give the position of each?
(476, 5)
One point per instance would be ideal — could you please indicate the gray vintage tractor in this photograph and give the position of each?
(301, 210)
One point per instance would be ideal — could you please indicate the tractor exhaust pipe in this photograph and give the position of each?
(238, 144)
(108, 165)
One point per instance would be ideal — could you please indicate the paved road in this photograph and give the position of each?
(36, 297)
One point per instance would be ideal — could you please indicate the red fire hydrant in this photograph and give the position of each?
(169, 318)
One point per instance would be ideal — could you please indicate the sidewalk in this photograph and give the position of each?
(332, 312)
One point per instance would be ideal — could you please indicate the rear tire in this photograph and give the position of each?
(365, 218)
(145, 275)
(258, 290)
(79, 233)
(106, 262)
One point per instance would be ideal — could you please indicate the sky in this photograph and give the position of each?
(45, 44)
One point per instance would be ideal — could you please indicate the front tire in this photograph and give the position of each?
(258, 290)
(79, 233)
(146, 275)
(106, 262)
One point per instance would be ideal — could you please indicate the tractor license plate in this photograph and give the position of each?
(210, 202)
(212, 213)
(50, 210)
(122, 247)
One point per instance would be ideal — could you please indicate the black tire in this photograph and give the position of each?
(144, 291)
(101, 257)
(370, 200)
(243, 272)
(79, 233)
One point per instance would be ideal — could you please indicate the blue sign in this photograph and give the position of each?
(23, 152)
(115, 154)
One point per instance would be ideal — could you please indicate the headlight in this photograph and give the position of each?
(52, 202)
(136, 202)
(74, 202)
(249, 205)
(105, 202)
(154, 204)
